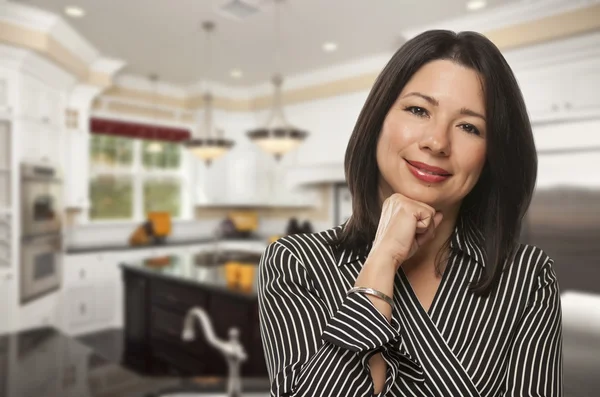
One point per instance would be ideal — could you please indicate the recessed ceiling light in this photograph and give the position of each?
(330, 46)
(236, 73)
(75, 12)
(476, 5)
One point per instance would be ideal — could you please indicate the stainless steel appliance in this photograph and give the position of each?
(41, 231)
(41, 270)
(41, 199)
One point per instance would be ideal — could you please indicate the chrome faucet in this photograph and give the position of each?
(232, 350)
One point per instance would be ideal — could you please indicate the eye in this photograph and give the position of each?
(417, 111)
(470, 128)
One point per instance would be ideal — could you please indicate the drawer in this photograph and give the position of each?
(176, 296)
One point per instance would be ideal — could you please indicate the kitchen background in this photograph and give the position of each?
(128, 195)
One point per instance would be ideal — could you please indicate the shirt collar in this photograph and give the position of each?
(465, 238)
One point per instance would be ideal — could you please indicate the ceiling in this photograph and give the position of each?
(164, 36)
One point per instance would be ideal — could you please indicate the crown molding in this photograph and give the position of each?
(27, 16)
(496, 17)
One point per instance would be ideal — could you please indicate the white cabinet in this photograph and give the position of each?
(80, 305)
(39, 143)
(77, 169)
(8, 91)
(562, 92)
(7, 297)
(93, 291)
(40, 102)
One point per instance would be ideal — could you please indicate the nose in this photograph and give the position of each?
(436, 139)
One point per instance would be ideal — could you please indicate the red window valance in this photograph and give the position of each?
(138, 130)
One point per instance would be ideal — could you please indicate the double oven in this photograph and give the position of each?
(41, 231)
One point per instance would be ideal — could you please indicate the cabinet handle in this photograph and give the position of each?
(82, 308)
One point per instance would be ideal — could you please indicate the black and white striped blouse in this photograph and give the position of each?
(318, 340)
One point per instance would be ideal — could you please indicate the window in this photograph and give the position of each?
(131, 177)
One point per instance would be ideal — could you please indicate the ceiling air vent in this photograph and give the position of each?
(238, 9)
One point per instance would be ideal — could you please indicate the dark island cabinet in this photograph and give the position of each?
(154, 311)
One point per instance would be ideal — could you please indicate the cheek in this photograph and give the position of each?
(475, 162)
(398, 134)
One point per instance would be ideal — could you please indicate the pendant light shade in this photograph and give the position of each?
(277, 137)
(209, 144)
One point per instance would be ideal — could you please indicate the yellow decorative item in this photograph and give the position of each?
(246, 276)
(161, 223)
(232, 274)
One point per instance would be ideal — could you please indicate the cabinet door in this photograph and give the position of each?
(7, 290)
(8, 84)
(29, 98)
(81, 303)
(77, 173)
(584, 94)
(543, 92)
(105, 300)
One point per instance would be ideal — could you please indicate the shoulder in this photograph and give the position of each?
(532, 262)
(305, 248)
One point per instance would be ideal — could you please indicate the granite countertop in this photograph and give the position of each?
(206, 270)
(46, 362)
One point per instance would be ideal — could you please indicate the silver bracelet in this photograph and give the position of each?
(374, 292)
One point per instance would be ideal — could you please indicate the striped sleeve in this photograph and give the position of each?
(310, 351)
(535, 366)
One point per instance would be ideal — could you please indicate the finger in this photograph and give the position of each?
(424, 220)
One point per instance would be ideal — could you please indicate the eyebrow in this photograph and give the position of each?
(435, 102)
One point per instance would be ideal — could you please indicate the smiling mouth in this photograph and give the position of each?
(429, 172)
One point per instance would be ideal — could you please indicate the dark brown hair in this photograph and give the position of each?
(498, 202)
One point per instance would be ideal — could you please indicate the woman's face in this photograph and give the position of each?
(438, 120)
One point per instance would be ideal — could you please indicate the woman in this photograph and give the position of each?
(425, 290)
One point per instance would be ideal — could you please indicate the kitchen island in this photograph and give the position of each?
(157, 296)
(45, 362)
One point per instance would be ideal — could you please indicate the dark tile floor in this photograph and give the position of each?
(581, 353)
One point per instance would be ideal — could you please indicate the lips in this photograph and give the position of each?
(430, 169)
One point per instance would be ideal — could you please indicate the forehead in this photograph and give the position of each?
(447, 81)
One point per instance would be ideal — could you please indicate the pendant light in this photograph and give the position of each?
(212, 145)
(277, 137)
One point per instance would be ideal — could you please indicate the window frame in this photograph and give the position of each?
(139, 174)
